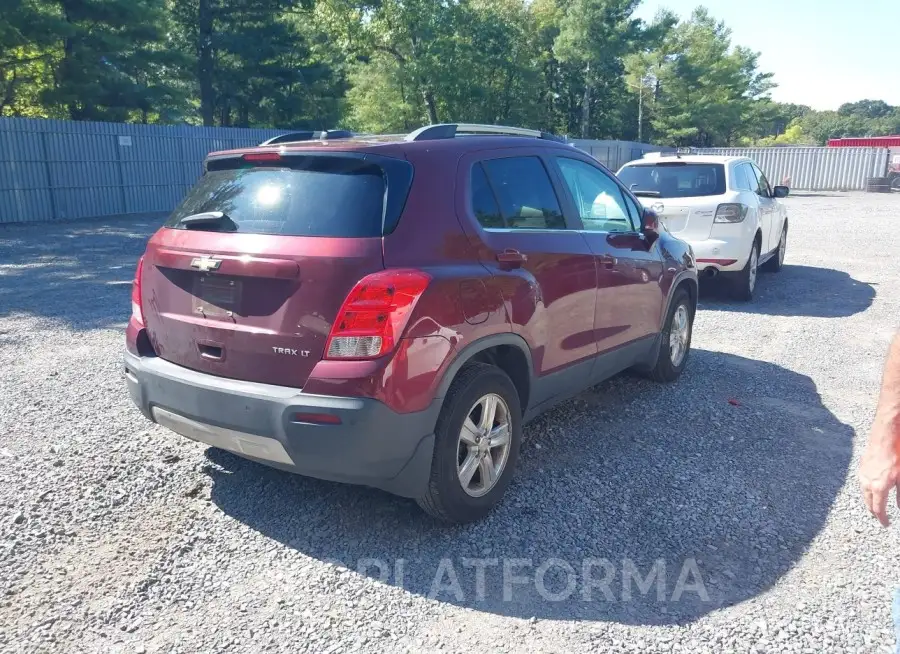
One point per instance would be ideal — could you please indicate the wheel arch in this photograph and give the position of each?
(687, 281)
(507, 351)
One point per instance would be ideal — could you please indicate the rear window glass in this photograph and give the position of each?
(675, 180)
(328, 196)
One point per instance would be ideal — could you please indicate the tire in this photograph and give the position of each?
(776, 263)
(895, 183)
(667, 367)
(743, 284)
(878, 185)
(446, 498)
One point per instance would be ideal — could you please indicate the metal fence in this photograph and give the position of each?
(615, 154)
(815, 169)
(60, 170)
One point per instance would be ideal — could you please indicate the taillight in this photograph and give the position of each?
(730, 213)
(375, 313)
(137, 307)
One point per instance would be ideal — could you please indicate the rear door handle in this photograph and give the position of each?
(608, 261)
(511, 258)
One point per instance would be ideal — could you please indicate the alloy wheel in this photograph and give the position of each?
(679, 335)
(483, 447)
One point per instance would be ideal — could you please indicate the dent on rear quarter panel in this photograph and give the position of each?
(461, 304)
(427, 237)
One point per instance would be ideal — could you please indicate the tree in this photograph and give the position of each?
(868, 109)
(113, 64)
(706, 89)
(30, 32)
(594, 38)
(258, 62)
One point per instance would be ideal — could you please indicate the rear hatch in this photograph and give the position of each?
(685, 195)
(249, 272)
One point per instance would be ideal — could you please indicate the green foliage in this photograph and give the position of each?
(863, 118)
(585, 68)
(706, 91)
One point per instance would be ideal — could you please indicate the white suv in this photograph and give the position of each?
(723, 206)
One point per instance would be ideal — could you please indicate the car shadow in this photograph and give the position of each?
(683, 498)
(795, 291)
(74, 271)
(817, 194)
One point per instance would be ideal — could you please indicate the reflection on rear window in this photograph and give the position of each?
(340, 197)
(675, 180)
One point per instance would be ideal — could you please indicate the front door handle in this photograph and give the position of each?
(511, 258)
(608, 261)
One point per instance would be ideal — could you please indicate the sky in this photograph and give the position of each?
(823, 52)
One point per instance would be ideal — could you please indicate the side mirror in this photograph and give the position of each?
(650, 226)
(781, 191)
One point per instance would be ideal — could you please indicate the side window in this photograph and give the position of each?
(525, 194)
(764, 189)
(599, 199)
(484, 204)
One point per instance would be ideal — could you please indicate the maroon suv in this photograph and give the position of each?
(390, 311)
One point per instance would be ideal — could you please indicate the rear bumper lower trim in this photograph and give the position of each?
(373, 445)
(256, 447)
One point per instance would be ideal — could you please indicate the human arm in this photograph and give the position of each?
(879, 468)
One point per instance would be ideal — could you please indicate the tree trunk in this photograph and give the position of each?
(225, 114)
(205, 62)
(586, 104)
(430, 105)
(65, 68)
(9, 93)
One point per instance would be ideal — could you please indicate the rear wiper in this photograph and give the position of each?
(217, 218)
(647, 194)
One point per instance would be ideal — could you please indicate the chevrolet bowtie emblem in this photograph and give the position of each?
(205, 264)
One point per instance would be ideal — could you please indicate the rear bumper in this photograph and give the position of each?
(373, 445)
(716, 253)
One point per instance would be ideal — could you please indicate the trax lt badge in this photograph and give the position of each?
(205, 264)
(290, 351)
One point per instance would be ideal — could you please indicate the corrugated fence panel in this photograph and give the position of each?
(60, 170)
(816, 169)
(615, 154)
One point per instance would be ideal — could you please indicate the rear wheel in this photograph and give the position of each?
(675, 340)
(776, 263)
(743, 284)
(477, 441)
(895, 182)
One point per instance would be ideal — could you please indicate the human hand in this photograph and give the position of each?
(879, 468)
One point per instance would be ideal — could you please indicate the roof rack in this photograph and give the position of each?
(678, 152)
(452, 130)
(309, 135)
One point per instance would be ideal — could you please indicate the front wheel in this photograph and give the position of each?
(675, 340)
(477, 441)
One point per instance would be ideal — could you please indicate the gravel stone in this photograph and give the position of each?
(143, 541)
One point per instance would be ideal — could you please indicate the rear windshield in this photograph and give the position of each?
(675, 180)
(327, 196)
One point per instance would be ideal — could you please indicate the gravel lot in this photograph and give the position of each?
(116, 535)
